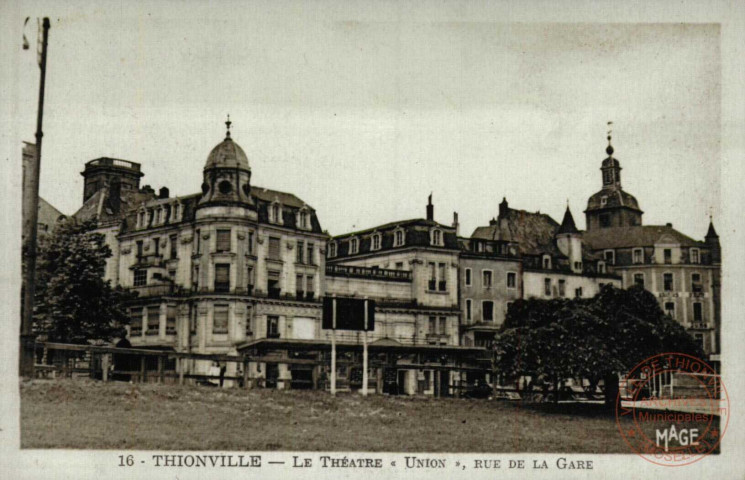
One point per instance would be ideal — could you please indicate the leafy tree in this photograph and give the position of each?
(73, 303)
(594, 338)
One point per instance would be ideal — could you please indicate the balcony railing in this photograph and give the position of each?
(113, 162)
(156, 290)
(151, 260)
(368, 273)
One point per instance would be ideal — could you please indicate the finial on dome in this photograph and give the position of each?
(228, 123)
(609, 149)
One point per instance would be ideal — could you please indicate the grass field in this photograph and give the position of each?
(94, 415)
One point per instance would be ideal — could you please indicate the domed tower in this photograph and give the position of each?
(227, 176)
(612, 206)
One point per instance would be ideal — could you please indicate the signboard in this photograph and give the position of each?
(350, 314)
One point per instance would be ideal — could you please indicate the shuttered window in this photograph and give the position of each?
(223, 240)
(171, 320)
(220, 319)
(274, 248)
(153, 320)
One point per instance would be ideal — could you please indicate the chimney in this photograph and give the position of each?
(456, 225)
(503, 207)
(163, 192)
(147, 189)
(430, 209)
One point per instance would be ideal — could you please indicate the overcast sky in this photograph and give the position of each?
(362, 115)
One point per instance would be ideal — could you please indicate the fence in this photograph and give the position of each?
(143, 365)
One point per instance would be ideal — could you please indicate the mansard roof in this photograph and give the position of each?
(416, 233)
(637, 236)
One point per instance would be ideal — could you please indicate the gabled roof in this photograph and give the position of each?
(636, 236)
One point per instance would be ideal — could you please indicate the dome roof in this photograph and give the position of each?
(614, 198)
(227, 154)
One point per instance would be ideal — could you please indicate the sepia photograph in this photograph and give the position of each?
(265, 235)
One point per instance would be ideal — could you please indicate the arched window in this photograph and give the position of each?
(398, 238)
(275, 212)
(376, 241)
(353, 246)
(436, 238)
(332, 249)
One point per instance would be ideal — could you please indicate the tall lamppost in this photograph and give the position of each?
(31, 201)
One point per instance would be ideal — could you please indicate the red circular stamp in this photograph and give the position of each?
(672, 409)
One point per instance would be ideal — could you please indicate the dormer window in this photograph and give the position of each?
(695, 255)
(399, 238)
(638, 255)
(601, 267)
(376, 241)
(142, 218)
(303, 218)
(610, 257)
(436, 237)
(547, 262)
(176, 216)
(275, 212)
(332, 249)
(354, 245)
(603, 201)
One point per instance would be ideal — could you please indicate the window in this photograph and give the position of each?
(156, 246)
(353, 246)
(332, 250)
(469, 310)
(443, 325)
(300, 252)
(468, 277)
(610, 257)
(220, 319)
(171, 320)
(176, 212)
(273, 248)
(604, 220)
(607, 177)
(562, 288)
(139, 249)
(199, 241)
(601, 267)
(250, 242)
(638, 255)
(578, 266)
(432, 285)
(309, 288)
(299, 292)
(546, 262)
(442, 285)
(272, 284)
(310, 258)
(140, 277)
(699, 337)
(547, 286)
(249, 326)
(603, 200)
(399, 265)
(173, 241)
(272, 326)
(436, 237)
(223, 240)
(153, 320)
(487, 311)
(486, 278)
(275, 213)
(696, 285)
(639, 279)
(667, 280)
(695, 255)
(670, 309)
(698, 313)
(668, 256)
(195, 276)
(376, 241)
(398, 238)
(511, 280)
(432, 325)
(578, 292)
(222, 277)
(303, 219)
(249, 278)
(135, 321)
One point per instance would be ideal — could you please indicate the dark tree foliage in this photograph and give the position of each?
(73, 303)
(595, 338)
